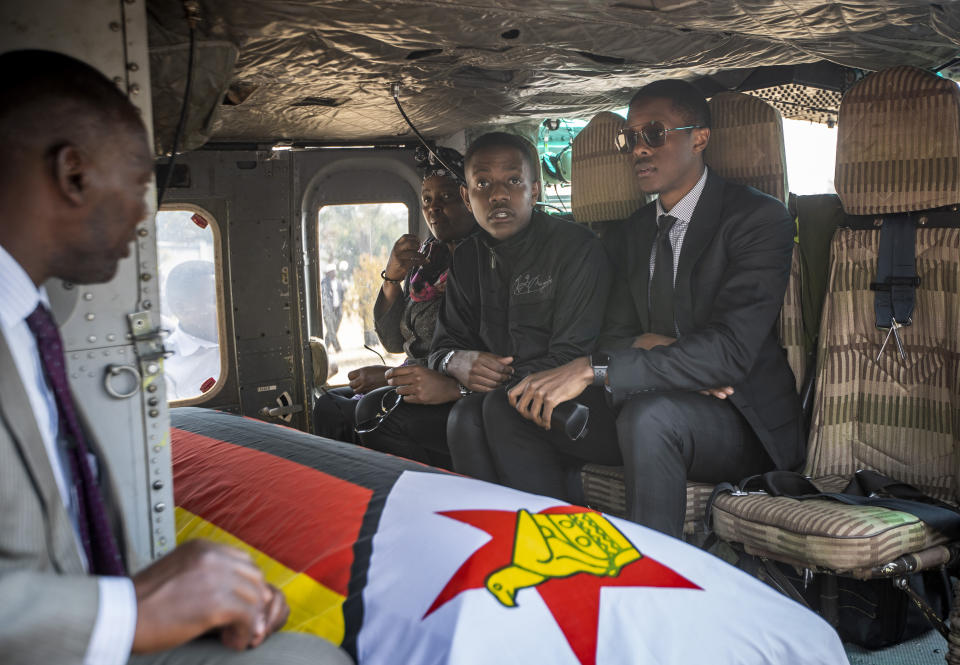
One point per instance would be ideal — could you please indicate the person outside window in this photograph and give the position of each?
(331, 299)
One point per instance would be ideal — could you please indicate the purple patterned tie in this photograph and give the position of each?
(97, 537)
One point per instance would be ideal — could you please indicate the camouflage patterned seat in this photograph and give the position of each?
(746, 146)
(898, 153)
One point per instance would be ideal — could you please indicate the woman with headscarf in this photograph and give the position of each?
(405, 315)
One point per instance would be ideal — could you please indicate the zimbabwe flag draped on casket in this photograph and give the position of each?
(401, 563)
(304, 507)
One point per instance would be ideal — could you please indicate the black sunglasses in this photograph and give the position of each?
(654, 134)
(391, 400)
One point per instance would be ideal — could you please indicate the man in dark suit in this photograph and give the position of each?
(700, 386)
(72, 187)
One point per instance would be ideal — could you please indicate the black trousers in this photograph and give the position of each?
(333, 415)
(662, 439)
(491, 441)
(413, 431)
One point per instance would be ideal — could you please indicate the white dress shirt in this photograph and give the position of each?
(116, 620)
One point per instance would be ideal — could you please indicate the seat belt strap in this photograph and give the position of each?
(897, 278)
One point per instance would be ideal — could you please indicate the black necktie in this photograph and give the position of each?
(661, 285)
(99, 542)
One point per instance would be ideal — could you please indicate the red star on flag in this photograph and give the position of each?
(574, 601)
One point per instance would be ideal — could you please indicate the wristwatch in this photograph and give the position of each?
(446, 361)
(464, 391)
(599, 363)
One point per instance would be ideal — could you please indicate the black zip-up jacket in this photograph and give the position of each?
(538, 296)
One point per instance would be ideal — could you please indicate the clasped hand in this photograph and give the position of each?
(536, 396)
(480, 371)
(202, 586)
(420, 385)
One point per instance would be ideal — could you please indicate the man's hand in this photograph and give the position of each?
(719, 393)
(480, 371)
(420, 385)
(368, 378)
(536, 396)
(201, 586)
(650, 340)
(403, 257)
(275, 615)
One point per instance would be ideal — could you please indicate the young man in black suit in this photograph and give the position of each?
(700, 386)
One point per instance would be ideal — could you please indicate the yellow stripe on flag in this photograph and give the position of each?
(314, 608)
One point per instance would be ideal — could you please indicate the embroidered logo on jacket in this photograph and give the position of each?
(527, 284)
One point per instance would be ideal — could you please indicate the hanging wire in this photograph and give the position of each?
(395, 89)
(556, 192)
(192, 19)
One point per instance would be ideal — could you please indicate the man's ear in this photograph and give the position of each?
(701, 137)
(535, 190)
(71, 173)
(465, 195)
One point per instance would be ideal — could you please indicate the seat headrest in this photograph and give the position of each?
(746, 143)
(898, 143)
(319, 360)
(604, 187)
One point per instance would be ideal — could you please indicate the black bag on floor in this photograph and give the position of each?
(874, 614)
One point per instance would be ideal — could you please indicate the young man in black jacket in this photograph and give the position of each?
(702, 386)
(526, 293)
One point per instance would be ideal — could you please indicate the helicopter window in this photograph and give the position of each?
(811, 150)
(554, 139)
(354, 243)
(189, 276)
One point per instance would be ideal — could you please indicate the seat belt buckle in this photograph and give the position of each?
(894, 331)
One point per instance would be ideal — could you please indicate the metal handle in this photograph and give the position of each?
(117, 370)
(280, 411)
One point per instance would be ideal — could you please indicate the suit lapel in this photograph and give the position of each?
(703, 227)
(645, 233)
(18, 415)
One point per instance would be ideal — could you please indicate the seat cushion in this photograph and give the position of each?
(604, 490)
(820, 533)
